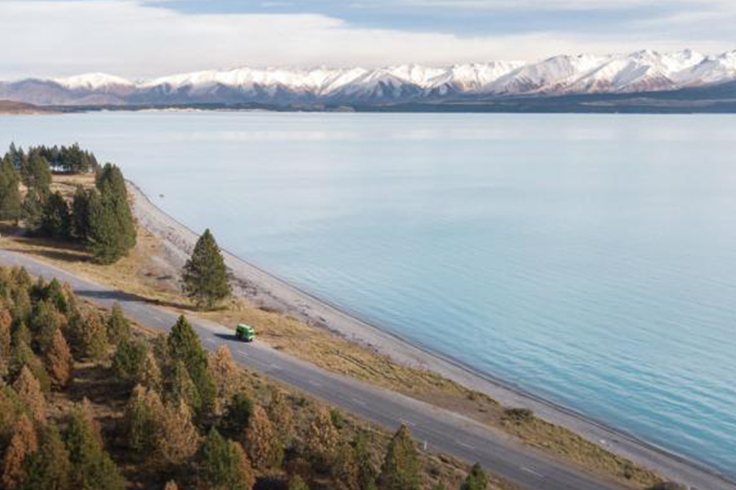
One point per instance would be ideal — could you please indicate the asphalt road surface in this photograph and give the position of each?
(436, 429)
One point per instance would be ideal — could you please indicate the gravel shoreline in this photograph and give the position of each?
(267, 290)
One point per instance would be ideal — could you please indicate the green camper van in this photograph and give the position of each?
(245, 332)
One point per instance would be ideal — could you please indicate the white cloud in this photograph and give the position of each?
(128, 38)
(571, 4)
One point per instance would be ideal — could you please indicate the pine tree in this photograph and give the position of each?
(49, 467)
(88, 334)
(366, 470)
(59, 360)
(322, 440)
(118, 327)
(184, 345)
(205, 277)
(11, 410)
(129, 360)
(23, 443)
(110, 179)
(92, 467)
(476, 480)
(238, 413)
(35, 173)
(80, 214)
(345, 468)
(55, 219)
(179, 387)
(57, 295)
(6, 322)
(32, 211)
(150, 373)
(177, 436)
(23, 356)
(107, 239)
(111, 184)
(264, 449)
(282, 417)
(226, 376)
(162, 433)
(45, 321)
(400, 470)
(10, 198)
(224, 465)
(29, 390)
(141, 414)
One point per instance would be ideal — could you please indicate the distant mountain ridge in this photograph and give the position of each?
(638, 72)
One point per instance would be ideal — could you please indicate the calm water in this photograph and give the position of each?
(591, 259)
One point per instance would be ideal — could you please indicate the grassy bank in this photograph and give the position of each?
(146, 273)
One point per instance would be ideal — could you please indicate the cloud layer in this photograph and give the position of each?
(136, 39)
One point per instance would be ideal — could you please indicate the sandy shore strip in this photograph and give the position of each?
(267, 290)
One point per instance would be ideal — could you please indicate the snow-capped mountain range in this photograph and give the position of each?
(641, 71)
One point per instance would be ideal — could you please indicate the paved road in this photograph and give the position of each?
(441, 430)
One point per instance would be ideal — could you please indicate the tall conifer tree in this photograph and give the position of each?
(56, 220)
(400, 470)
(10, 198)
(205, 276)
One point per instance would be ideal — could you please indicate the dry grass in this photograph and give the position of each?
(67, 184)
(570, 446)
(143, 275)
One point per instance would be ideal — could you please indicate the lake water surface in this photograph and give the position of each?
(590, 259)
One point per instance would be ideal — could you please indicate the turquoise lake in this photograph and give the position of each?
(588, 258)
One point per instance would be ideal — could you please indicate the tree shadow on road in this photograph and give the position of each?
(122, 296)
(39, 247)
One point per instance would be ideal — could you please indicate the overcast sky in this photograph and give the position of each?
(146, 38)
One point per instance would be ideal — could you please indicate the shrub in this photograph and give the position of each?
(476, 479)
(297, 483)
(337, 419)
(518, 415)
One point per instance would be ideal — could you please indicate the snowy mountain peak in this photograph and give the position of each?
(640, 71)
(93, 81)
